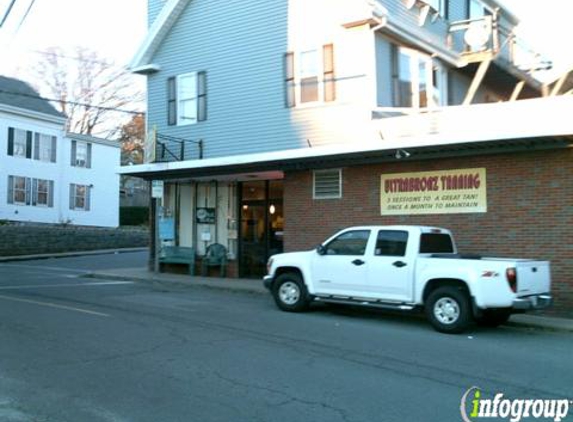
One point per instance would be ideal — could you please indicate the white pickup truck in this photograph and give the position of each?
(407, 267)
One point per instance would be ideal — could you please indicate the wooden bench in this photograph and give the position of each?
(178, 255)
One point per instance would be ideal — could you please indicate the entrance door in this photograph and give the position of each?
(261, 227)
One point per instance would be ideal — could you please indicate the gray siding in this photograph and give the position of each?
(407, 19)
(241, 49)
(153, 9)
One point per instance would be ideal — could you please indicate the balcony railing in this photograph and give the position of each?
(483, 38)
(506, 120)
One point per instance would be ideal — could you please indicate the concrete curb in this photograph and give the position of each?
(69, 254)
(527, 321)
(227, 284)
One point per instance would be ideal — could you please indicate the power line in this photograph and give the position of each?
(25, 15)
(38, 97)
(8, 10)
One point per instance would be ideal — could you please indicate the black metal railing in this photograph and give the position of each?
(169, 148)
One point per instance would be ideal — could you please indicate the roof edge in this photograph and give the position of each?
(92, 139)
(31, 114)
(157, 32)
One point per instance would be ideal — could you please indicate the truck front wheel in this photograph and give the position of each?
(448, 309)
(290, 293)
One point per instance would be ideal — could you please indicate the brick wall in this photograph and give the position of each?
(29, 239)
(530, 210)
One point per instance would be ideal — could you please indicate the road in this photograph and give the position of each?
(77, 349)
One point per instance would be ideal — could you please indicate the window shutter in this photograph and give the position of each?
(10, 189)
(28, 189)
(73, 156)
(34, 191)
(36, 146)
(10, 141)
(88, 198)
(51, 194)
(202, 96)
(327, 184)
(171, 101)
(89, 156)
(72, 191)
(28, 144)
(329, 76)
(290, 95)
(54, 150)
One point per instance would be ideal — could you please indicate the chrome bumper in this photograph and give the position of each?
(267, 281)
(532, 302)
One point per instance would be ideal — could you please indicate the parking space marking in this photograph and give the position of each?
(45, 286)
(53, 305)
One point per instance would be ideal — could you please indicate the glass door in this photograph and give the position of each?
(261, 225)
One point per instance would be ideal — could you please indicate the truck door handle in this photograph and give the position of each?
(399, 264)
(358, 262)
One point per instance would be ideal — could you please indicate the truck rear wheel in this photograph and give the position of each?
(493, 317)
(290, 293)
(448, 310)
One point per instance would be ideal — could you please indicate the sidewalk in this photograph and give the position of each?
(255, 286)
(69, 254)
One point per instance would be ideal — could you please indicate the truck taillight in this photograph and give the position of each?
(511, 275)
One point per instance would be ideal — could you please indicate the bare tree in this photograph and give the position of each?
(90, 90)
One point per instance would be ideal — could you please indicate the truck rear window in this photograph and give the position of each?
(436, 243)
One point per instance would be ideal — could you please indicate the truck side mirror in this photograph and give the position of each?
(321, 250)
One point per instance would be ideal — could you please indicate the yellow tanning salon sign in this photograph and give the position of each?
(438, 192)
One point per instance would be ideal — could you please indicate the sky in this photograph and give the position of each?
(115, 28)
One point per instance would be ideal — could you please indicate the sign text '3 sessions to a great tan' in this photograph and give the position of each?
(437, 192)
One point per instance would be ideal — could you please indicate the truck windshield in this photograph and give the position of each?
(436, 243)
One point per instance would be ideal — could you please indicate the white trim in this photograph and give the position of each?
(437, 50)
(523, 119)
(24, 112)
(157, 32)
(192, 120)
(146, 69)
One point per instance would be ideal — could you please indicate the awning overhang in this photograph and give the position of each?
(272, 164)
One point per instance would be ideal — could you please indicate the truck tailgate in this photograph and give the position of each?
(533, 277)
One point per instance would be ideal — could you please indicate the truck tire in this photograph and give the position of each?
(493, 317)
(290, 293)
(448, 310)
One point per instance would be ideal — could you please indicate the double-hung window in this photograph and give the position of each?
(19, 143)
(187, 99)
(81, 154)
(29, 191)
(80, 197)
(309, 76)
(43, 193)
(44, 147)
(18, 188)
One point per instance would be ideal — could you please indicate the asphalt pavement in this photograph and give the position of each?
(87, 340)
